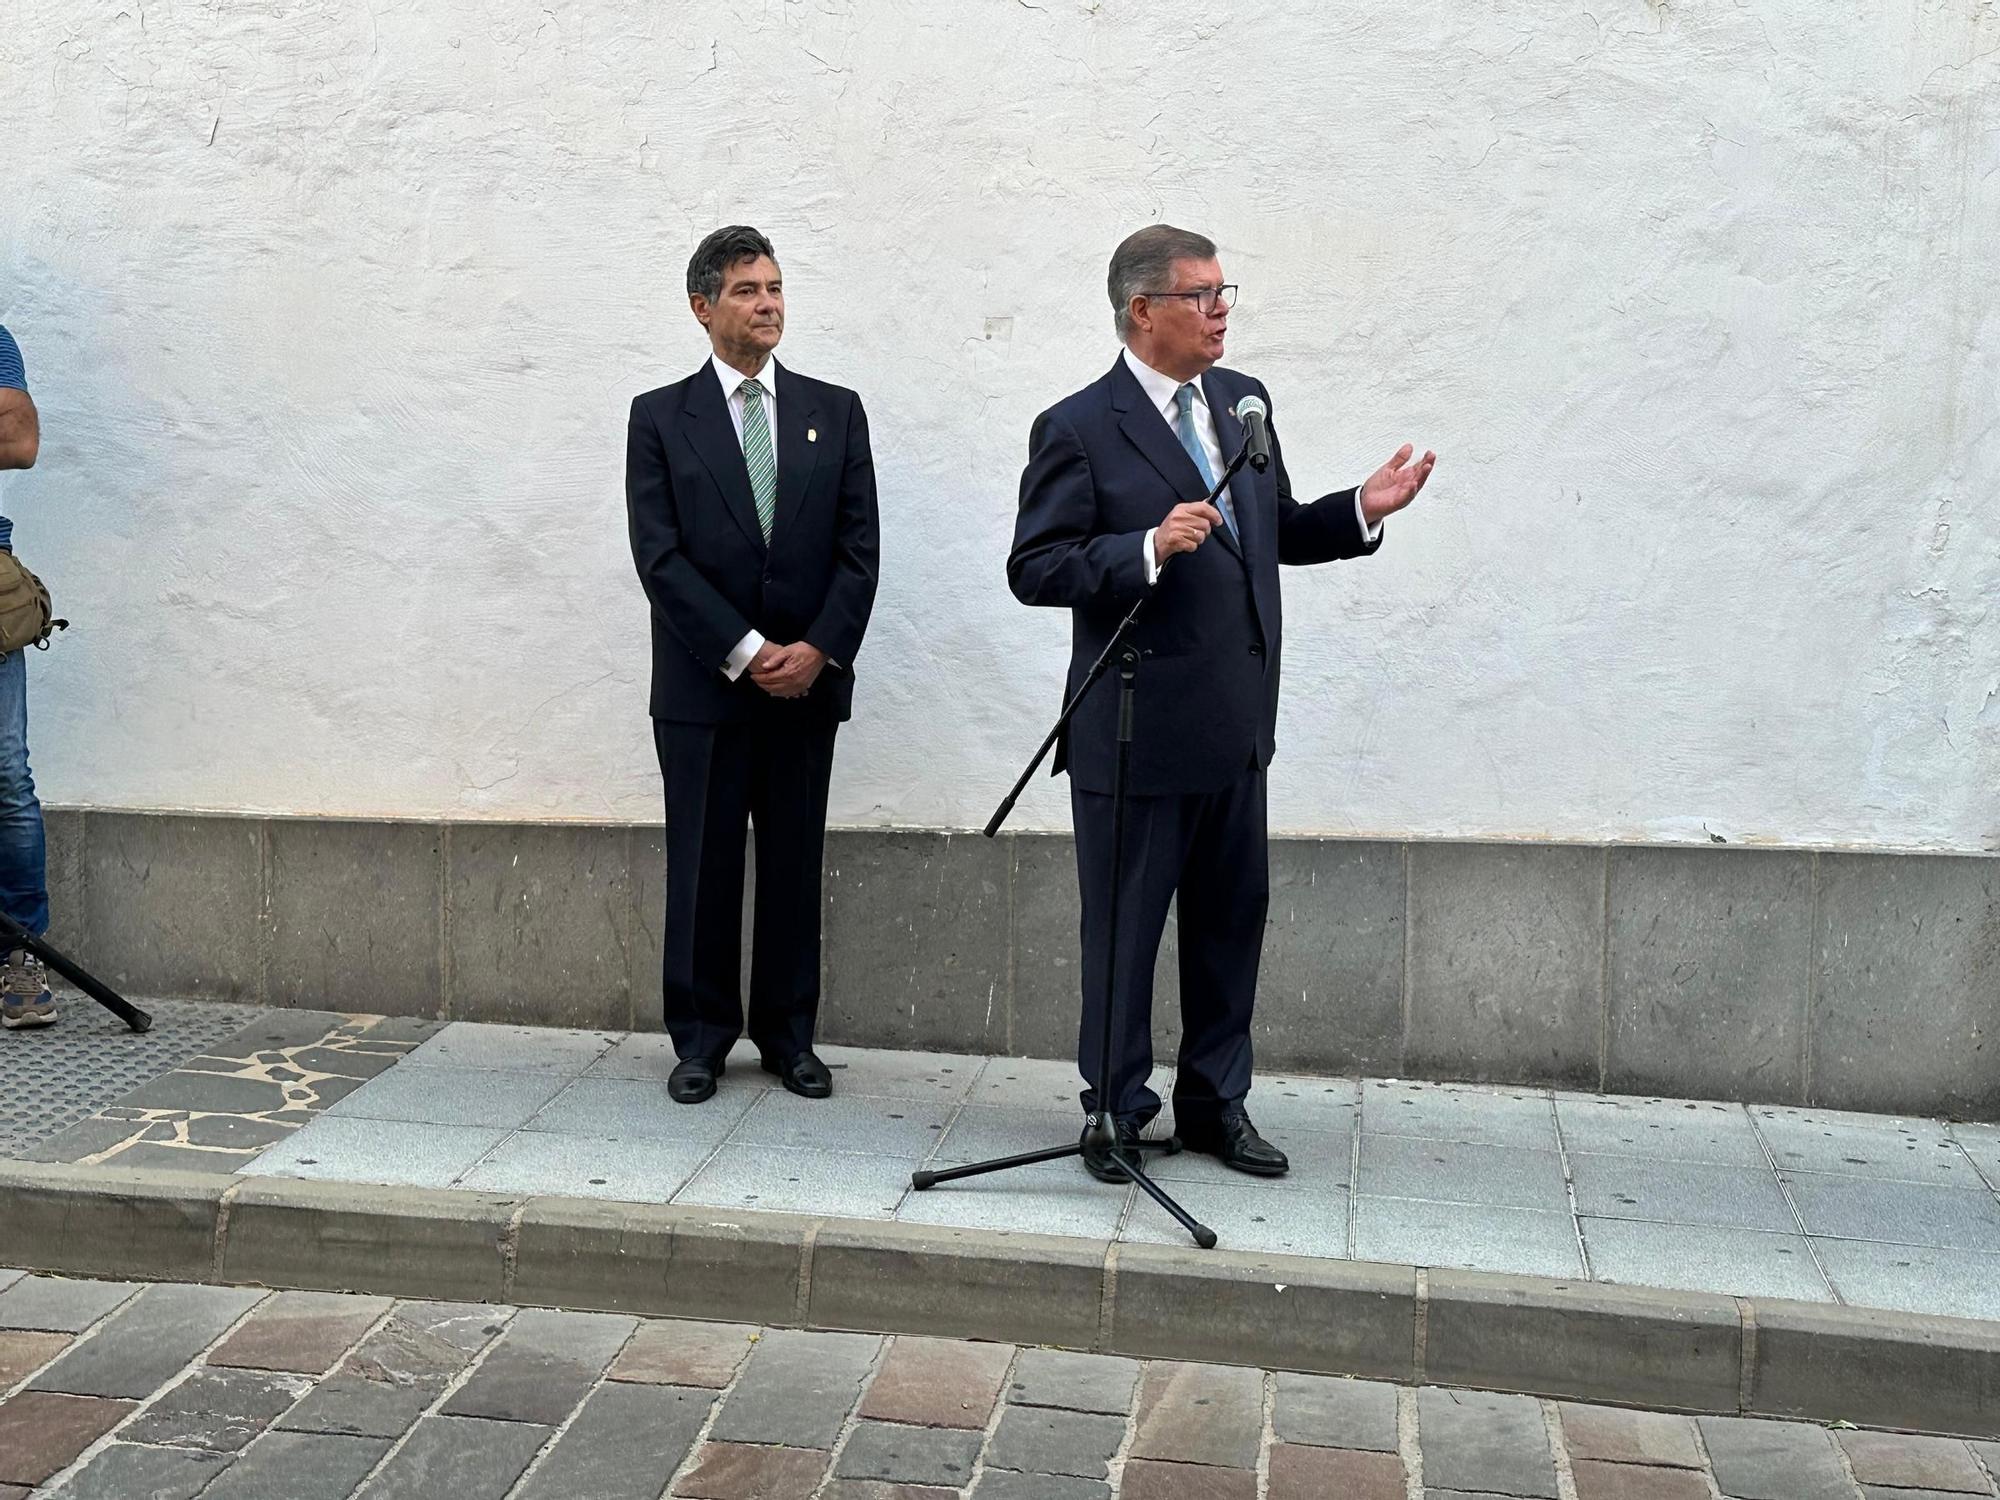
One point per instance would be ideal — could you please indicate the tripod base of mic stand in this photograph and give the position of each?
(1202, 1234)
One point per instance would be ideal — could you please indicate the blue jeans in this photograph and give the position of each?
(24, 876)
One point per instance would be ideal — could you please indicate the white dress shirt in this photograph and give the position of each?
(732, 380)
(1162, 391)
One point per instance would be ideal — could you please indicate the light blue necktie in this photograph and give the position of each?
(1191, 440)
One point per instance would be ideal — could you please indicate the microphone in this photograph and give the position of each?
(1251, 412)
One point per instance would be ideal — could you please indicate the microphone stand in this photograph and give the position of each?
(1100, 1134)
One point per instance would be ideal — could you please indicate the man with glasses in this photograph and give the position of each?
(1112, 493)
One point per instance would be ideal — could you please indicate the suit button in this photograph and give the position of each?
(1256, 650)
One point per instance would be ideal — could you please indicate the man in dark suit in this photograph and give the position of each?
(751, 495)
(1113, 490)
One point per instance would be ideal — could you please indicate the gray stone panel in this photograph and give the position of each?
(1506, 962)
(1047, 949)
(1906, 1009)
(915, 937)
(173, 904)
(1330, 989)
(357, 915)
(64, 829)
(648, 860)
(539, 924)
(1708, 964)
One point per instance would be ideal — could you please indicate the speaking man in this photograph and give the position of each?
(751, 497)
(1111, 510)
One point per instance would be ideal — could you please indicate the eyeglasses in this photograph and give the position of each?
(1205, 297)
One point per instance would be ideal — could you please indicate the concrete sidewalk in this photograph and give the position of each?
(1762, 1202)
(1669, 1254)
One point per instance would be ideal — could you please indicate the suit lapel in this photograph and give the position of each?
(713, 437)
(797, 457)
(1149, 433)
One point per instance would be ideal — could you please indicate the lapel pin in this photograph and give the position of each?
(812, 434)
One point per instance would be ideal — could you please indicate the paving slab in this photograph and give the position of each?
(467, 1458)
(1749, 1262)
(542, 1366)
(888, 1452)
(1317, 1473)
(219, 1411)
(1211, 1415)
(1074, 1382)
(938, 1383)
(1689, 1130)
(797, 1389)
(674, 1352)
(146, 1342)
(1675, 1192)
(1909, 1462)
(55, 1304)
(752, 1471)
(1473, 1237)
(41, 1433)
(625, 1441)
(124, 1470)
(299, 1466)
(1043, 1440)
(1472, 1438)
(307, 1332)
(1758, 1460)
(1334, 1412)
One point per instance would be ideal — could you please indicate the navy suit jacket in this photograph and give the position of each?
(702, 557)
(1103, 469)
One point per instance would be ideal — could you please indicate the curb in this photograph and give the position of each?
(1634, 1346)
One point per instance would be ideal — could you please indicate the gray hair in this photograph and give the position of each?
(1144, 262)
(721, 250)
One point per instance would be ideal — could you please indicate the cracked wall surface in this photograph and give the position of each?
(334, 311)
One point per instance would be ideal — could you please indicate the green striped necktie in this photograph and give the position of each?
(758, 457)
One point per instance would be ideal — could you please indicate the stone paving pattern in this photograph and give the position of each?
(53, 1077)
(114, 1390)
(216, 1110)
(1752, 1201)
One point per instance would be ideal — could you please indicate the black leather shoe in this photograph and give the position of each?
(1235, 1142)
(802, 1073)
(693, 1079)
(1103, 1167)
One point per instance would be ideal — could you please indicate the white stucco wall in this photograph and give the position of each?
(334, 311)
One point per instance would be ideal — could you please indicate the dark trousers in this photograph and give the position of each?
(772, 773)
(1209, 850)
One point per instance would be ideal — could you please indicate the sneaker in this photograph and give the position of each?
(24, 992)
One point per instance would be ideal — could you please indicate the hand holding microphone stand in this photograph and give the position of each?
(1100, 1134)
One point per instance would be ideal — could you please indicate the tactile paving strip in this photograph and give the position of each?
(53, 1076)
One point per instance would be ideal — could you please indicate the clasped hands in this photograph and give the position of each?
(1383, 493)
(787, 671)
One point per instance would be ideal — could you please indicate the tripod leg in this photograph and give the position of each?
(103, 994)
(1203, 1235)
(922, 1180)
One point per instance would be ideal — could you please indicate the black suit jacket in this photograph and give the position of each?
(701, 555)
(1103, 469)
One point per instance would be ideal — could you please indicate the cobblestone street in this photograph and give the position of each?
(115, 1390)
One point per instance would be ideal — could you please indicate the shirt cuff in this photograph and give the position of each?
(1152, 562)
(745, 652)
(1368, 533)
